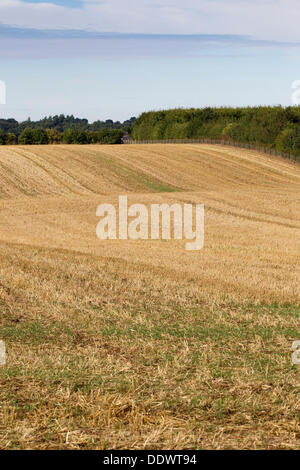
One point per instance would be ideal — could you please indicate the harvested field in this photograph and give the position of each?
(141, 344)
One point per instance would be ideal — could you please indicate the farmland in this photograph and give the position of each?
(141, 344)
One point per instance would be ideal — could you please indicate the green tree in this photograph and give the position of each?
(289, 140)
(113, 136)
(26, 137)
(54, 137)
(2, 137)
(40, 136)
(10, 138)
(69, 136)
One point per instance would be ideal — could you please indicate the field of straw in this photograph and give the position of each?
(141, 344)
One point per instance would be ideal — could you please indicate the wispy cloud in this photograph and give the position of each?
(36, 43)
(263, 19)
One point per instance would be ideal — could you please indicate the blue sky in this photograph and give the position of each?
(116, 58)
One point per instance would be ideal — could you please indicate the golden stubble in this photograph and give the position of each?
(123, 344)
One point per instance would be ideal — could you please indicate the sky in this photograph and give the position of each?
(113, 59)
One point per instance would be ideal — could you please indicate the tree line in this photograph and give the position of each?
(274, 127)
(62, 129)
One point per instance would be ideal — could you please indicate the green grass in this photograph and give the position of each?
(134, 178)
(173, 374)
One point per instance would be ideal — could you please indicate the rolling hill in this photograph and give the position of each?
(141, 344)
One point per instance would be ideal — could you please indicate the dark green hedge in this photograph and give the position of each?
(274, 127)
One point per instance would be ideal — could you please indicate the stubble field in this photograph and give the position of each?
(142, 344)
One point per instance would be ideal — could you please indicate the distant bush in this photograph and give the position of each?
(40, 136)
(105, 136)
(69, 136)
(54, 137)
(61, 123)
(26, 137)
(289, 140)
(10, 139)
(63, 129)
(113, 136)
(33, 136)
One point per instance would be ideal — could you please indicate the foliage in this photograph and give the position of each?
(109, 136)
(33, 136)
(275, 127)
(61, 123)
(62, 129)
(10, 139)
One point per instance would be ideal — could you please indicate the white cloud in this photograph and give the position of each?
(264, 19)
